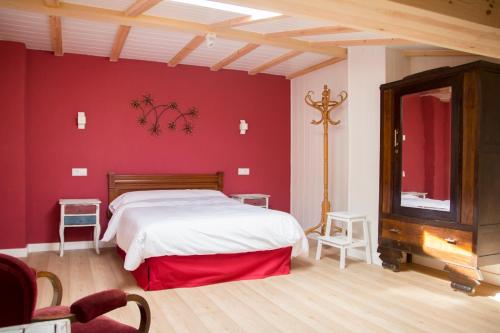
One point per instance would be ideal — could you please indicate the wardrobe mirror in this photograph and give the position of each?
(426, 149)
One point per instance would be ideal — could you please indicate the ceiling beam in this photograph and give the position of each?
(436, 53)
(119, 42)
(234, 56)
(167, 24)
(467, 26)
(483, 13)
(312, 32)
(137, 8)
(232, 22)
(244, 20)
(186, 50)
(363, 42)
(261, 20)
(140, 6)
(55, 28)
(56, 35)
(313, 68)
(52, 3)
(274, 62)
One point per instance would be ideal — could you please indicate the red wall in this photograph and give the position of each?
(12, 145)
(59, 87)
(426, 150)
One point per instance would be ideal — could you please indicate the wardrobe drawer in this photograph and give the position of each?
(445, 244)
(408, 233)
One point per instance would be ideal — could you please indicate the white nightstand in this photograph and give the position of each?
(79, 213)
(256, 199)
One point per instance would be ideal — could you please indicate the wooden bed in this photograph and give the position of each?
(119, 184)
(167, 272)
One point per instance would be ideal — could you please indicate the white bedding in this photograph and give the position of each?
(194, 222)
(408, 200)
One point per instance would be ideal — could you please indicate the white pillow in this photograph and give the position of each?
(410, 196)
(135, 196)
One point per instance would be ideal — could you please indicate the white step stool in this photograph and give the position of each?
(344, 240)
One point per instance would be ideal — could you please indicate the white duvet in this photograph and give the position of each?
(408, 200)
(195, 222)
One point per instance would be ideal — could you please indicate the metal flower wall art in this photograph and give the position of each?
(151, 114)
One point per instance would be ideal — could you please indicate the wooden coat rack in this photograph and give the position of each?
(325, 106)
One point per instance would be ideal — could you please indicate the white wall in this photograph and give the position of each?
(307, 146)
(420, 64)
(397, 65)
(366, 72)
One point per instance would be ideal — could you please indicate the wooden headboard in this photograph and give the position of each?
(119, 184)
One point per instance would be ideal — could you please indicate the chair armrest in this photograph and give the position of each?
(53, 313)
(144, 309)
(56, 285)
(95, 305)
(92, 306)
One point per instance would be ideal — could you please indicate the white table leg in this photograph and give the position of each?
(318, 250)
(61, 240)
(97, 233)
(343, 251)
(366, 237)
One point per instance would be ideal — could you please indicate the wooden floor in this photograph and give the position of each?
(315, 297)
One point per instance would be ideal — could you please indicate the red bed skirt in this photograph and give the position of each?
(198, 270)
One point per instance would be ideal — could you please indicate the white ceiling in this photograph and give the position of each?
(192, 13)
(29, 28)
(95, 38)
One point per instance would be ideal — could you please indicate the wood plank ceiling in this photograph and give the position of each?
(175, 33)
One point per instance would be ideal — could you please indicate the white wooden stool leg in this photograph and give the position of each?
(318, 250)
(366, 237)
(97, 233)
(343, 251)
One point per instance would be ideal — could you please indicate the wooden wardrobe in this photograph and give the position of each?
(440, 170)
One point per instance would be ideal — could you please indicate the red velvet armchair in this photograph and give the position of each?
(19, 293)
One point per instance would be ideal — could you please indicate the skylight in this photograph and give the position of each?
(256, 14)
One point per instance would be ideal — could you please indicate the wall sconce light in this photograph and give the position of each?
(81, 120)
(243, 127)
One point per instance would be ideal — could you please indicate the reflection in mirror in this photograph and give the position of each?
(426, 149)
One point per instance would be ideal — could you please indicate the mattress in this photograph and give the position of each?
(150, 224)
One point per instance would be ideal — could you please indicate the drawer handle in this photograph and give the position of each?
(450, 241)
(395, 230)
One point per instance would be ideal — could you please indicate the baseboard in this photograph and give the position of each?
(46, 247)
(360, 254)
(19, 253)
(81, 245)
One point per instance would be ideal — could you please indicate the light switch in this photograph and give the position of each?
(243, 171)
(79, 172)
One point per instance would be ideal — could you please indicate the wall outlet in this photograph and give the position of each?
(79, 172)
(243, 171)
